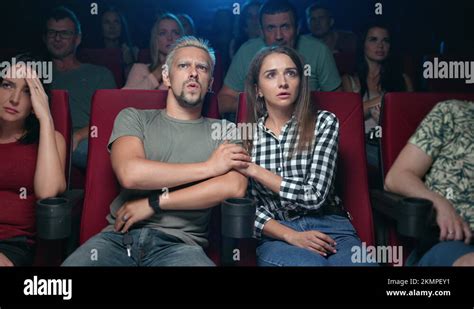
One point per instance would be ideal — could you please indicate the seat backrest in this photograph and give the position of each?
(101, 185)
(111, 58)
(62, 122)
(401, 114)
(352, 180)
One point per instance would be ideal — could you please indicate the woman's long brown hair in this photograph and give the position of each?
(305, 112)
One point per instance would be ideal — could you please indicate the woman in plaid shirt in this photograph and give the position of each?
(300, 221)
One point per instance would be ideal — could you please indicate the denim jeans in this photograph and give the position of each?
(17, 250)
(445, 253)
(150, 248)
(79, 156)
(272, 252)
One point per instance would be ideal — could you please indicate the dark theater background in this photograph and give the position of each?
(420, 25)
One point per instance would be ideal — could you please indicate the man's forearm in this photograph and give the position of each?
(143, 174)
(410, 185)
(206, 194)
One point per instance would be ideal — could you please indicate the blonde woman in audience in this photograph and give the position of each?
(166, 30)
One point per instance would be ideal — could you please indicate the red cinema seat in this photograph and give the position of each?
(101, 184)
(352, 179)
(62, 121)
(401, 114)
(111, 58)
(352, 182)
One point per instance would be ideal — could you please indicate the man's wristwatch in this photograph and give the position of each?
(154, 201)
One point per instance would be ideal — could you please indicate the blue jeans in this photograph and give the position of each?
(79, 156)
(271, 252)
(150, 248)
(445, 253)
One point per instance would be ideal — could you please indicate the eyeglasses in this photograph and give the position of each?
(63, 34)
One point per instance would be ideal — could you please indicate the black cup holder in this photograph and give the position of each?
(416, 201)
(53, 218)
(238, 217)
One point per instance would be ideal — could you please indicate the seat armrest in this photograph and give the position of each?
(412, 215)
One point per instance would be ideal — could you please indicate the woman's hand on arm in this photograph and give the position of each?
(261, 175)
(369, 104)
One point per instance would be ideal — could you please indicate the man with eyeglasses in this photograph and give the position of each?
(62, 37)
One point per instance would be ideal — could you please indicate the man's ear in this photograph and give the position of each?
(165, 75)
(331, 24)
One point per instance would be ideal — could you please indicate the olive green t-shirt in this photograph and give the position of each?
(447, 136)
(81, 83)
(318, 61)
(170, 140)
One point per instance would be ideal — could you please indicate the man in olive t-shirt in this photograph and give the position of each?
(279, 22)
(176, 148)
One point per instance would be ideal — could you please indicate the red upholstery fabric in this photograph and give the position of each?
(402, 112)
(101, 184)
(111, 58)
(352, 167)
(62, 121)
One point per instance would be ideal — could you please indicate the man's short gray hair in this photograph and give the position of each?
(191, 41)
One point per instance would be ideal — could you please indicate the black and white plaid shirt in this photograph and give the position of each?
(307, 177)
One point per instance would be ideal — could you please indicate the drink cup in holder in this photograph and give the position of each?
(53, 218)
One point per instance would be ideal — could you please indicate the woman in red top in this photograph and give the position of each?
(33, 156)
